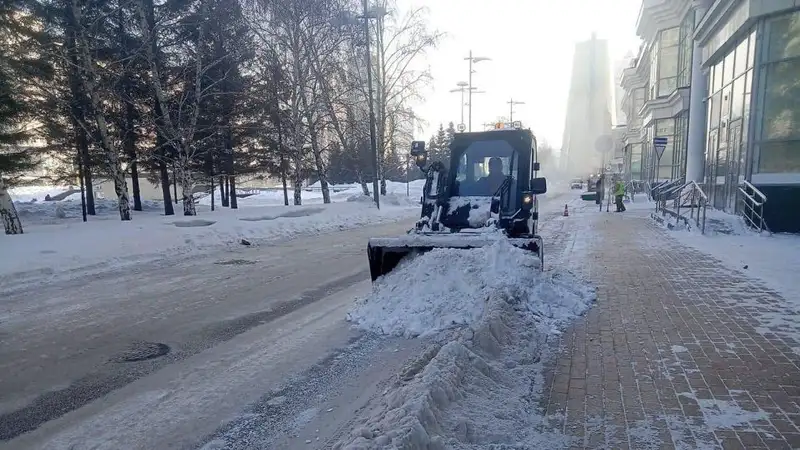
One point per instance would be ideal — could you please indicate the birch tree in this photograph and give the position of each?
(89, 79)
(400, 41)
(177, 118)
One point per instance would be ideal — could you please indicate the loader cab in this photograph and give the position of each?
(480, 164)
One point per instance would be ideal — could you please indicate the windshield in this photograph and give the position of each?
(483, 166)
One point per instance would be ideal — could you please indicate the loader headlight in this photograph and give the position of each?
(527, 200)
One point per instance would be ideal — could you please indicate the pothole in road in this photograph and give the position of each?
(235, 262)
(141, 351)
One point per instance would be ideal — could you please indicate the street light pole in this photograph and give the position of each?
(470, 91)
(472, 59)
(373, 144)
(461, 86)
(511, 107)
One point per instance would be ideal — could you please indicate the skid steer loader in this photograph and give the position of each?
(489, 192)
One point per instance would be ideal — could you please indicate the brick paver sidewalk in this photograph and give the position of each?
(678, 352)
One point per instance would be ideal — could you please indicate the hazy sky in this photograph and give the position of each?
(531, 44)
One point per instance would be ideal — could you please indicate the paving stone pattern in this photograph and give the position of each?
(678, 352)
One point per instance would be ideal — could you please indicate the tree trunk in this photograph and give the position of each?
(212, 193)
(83, 145)
(130, 150)
(8, 214)
(129, 139)
(164, 175)
(323, 179)
(285, 189)
(78, 109)
(187, 185)
(88, 80)
(234, 200)
(283, 181)
(362, 181)
(175, 182)
(223, 191)
(298, 183)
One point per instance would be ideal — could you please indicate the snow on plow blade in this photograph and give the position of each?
(386, 253)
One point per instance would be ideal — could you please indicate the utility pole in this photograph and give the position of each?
(511, 109)
(472, 59)
(373, 144)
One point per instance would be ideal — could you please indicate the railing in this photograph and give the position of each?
(630, 190)
(698, 204)
(753, 206)
(675, 197)
(664, 191)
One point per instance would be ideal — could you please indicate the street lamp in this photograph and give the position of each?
(511, 108)
(462, 87)
(374, 14)
(472, 60)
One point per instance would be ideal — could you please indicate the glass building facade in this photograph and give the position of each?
(777, 149)
(671, 67)
(728, 107)
(751, 110)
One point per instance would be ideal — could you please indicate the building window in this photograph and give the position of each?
(636, 161)
(668, 45)
(665, 128)
(635, 103)
(680, 139)
(779, 143)
(685, 50)
(653, 82)
(730, 80)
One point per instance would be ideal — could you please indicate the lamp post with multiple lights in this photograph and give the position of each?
(472, 60)
(511, 103)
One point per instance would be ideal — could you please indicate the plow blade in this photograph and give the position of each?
(386, 253)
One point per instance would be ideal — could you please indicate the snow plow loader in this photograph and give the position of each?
(489, 191)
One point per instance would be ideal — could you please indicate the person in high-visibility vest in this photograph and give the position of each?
(619, 194)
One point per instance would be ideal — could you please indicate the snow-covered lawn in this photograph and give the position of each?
(56, 239)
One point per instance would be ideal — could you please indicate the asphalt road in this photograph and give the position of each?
(79, 358)
(245, 348)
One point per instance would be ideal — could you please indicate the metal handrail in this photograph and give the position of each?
(630, 189)
(753, 211)
(698, 201)
(662, 191)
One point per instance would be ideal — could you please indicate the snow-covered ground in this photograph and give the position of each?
(771, 258)
(491, 312)
(56, 239)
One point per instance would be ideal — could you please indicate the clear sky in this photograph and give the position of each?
(531, 44)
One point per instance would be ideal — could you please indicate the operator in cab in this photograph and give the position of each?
(491, 183)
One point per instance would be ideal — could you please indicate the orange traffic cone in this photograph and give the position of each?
(566, 211)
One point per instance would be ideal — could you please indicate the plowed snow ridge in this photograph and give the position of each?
(480, 387)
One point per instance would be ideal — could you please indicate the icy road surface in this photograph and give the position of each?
(255, 331)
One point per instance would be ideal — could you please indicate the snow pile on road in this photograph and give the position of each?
(478, 385)
(445, 288)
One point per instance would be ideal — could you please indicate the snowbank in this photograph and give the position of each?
(397, 194)
(104, 240)
(478, 385)
(449, 287)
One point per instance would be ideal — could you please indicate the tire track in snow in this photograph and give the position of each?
(54, 404)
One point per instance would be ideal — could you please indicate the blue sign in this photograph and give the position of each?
(659, 144)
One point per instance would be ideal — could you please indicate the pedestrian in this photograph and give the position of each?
(598, 188)
(619, 194)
